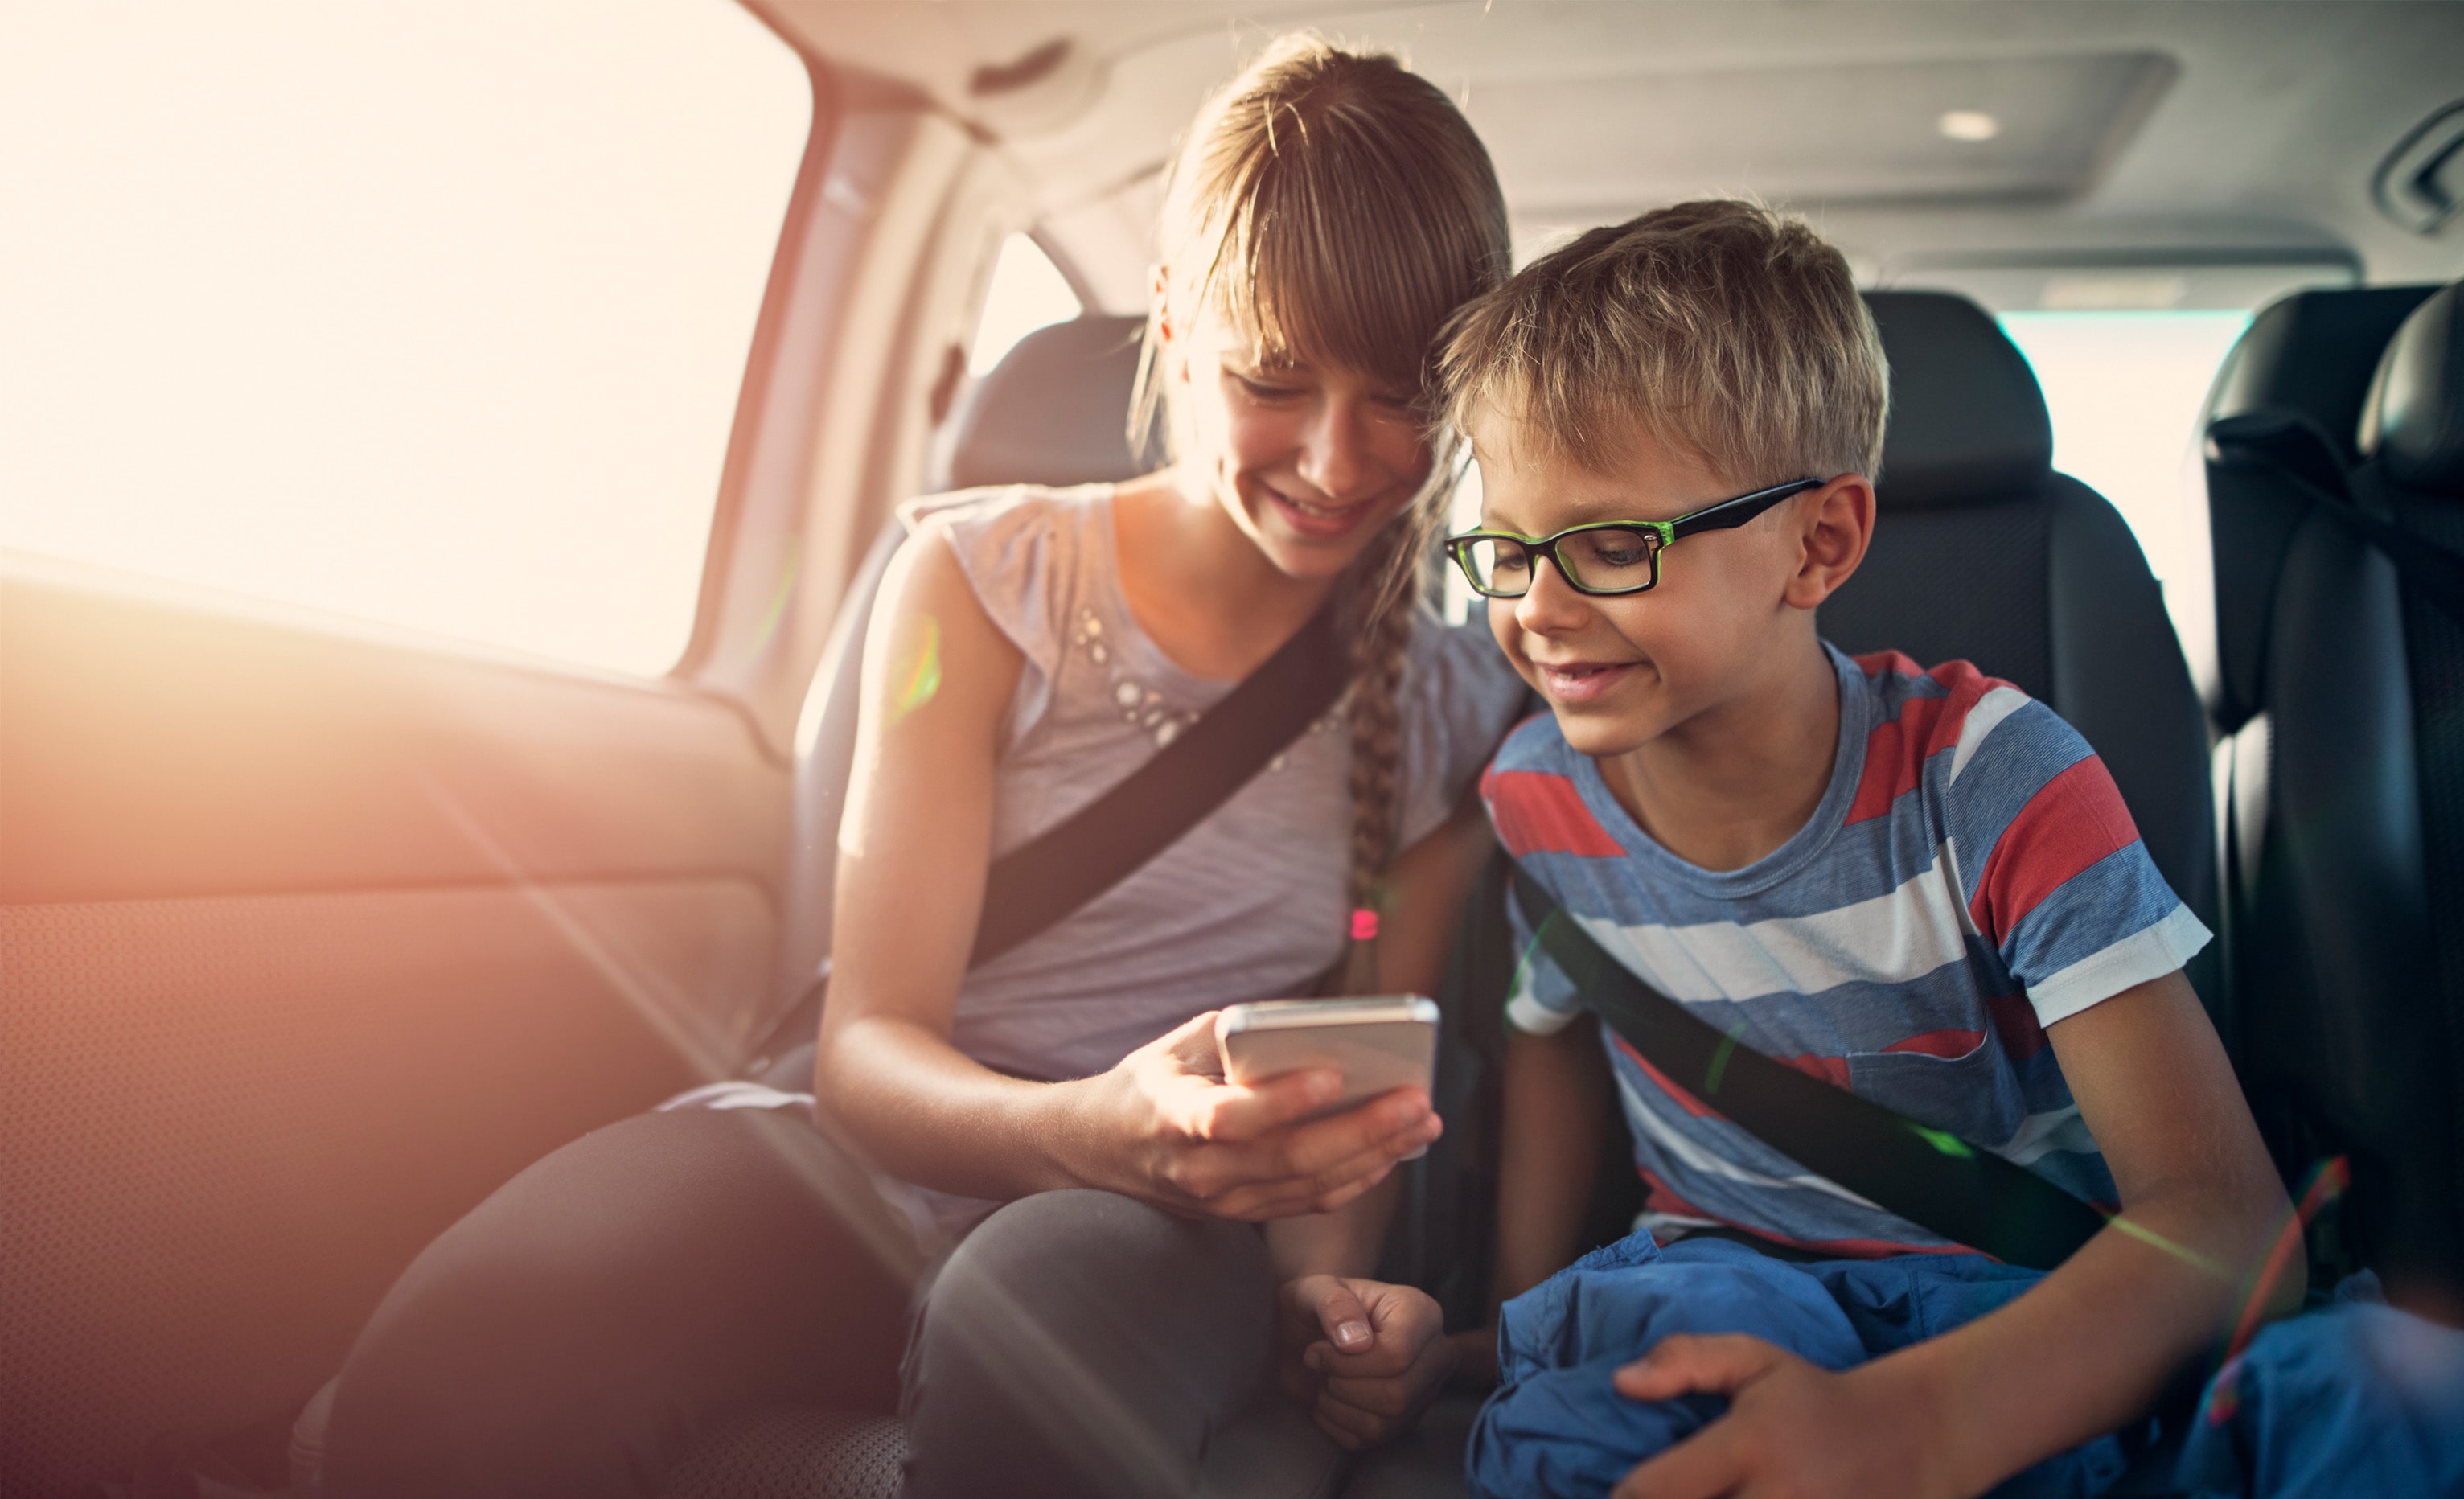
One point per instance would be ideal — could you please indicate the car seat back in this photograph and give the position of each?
(2311, 353)
(1055, 410)
(1983, 552)
(2351, 959)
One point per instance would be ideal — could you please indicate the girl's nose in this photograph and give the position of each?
(1332, 452)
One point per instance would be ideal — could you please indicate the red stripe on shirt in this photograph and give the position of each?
(1873, 663)
(1897, 750)
(1948, 1043)
(1538, 812)
(1894, 755)
(2014, 1021)
(2073, 820)
(1829, 1069)
(1677, 1096)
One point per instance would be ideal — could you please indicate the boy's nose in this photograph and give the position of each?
(1551, 606)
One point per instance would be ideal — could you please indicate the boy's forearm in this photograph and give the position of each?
(1555, 1100)
(2093, 1346)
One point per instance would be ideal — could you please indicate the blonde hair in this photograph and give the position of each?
(1336, 208)
(1724, 331)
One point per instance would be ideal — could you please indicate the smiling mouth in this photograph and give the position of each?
(1580, 681)
(1318, 521)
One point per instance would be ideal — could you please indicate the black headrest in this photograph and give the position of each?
(1968, 422)
(2313, 352)
(2412, 424)
(1055, 410)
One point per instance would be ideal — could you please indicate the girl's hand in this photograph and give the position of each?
(1792, 1428)
(1179, 1136)
(1365, 1356)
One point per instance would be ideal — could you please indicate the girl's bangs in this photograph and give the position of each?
(1336, 263)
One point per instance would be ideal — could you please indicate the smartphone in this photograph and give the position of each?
(1377, 1043)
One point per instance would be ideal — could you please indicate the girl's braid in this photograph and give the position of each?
(1388, 596)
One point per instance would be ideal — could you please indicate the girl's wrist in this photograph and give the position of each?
(1079, 1139)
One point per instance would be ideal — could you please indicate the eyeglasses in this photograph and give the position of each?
(1605, 557)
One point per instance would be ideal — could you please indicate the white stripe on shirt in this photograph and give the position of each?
(2148, 953)
(1989, 711)
(1892, 939)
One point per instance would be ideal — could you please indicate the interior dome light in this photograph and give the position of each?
(1967, 124)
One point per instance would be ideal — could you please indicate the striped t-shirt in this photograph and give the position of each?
(1970, 878)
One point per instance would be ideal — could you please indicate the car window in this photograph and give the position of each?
(2125, 390)
(1027, 292)
(434, 315)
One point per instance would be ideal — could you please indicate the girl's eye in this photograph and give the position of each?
(1264, 391)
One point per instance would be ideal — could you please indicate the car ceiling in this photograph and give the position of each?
(2228, 140)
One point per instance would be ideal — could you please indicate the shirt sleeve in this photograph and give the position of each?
(2053, 872)
(1459, 698)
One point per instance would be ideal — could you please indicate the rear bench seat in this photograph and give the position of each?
(1984, 553)
(2349, 929)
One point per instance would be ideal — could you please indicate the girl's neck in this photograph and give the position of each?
(1198, 585)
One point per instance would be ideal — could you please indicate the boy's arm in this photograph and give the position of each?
(2088, 1349)
(1557, 1097)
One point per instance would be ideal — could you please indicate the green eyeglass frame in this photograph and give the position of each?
(1650, 538)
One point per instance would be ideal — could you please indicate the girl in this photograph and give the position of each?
(1102, 1313)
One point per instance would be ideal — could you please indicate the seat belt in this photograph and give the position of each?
(2286, 446)
(1931, 1178)
(1034, 886)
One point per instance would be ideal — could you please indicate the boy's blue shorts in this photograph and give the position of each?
(1558, 1427)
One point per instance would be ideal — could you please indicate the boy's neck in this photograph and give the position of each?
(1733, 784)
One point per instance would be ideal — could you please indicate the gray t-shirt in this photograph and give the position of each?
(1251, 904)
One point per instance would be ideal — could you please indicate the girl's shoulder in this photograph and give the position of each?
(1025, 550)
(1458, 698)
(1002, 515)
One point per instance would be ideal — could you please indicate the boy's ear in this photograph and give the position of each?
(1836, 526)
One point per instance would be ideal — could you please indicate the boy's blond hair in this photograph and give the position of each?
(1724, 331)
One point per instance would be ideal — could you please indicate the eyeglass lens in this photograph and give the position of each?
(1605, 561)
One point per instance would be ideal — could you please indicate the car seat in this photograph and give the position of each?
(1983, 552)
(1968, 468)
(2349, 947)
(2312, 353)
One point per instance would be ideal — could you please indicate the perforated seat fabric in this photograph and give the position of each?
(782, 1452)
(1983, 552)
(2351, 959)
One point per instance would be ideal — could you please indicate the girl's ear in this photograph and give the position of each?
(1158, 304)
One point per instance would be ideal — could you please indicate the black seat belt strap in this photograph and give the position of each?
(2290, 450)
(1931, 1178)
(1112, 837)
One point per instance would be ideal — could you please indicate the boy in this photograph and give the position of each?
(1919, 885)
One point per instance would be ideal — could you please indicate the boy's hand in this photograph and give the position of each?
(1365, 1356)
(1791, 1428)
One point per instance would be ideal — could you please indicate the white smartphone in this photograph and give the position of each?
(1376, 1043)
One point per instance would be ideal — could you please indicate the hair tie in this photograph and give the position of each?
(1364, 925)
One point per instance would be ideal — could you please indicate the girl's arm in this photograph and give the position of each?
(914, 843)
(2089, 1348)
(1365, 1356)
